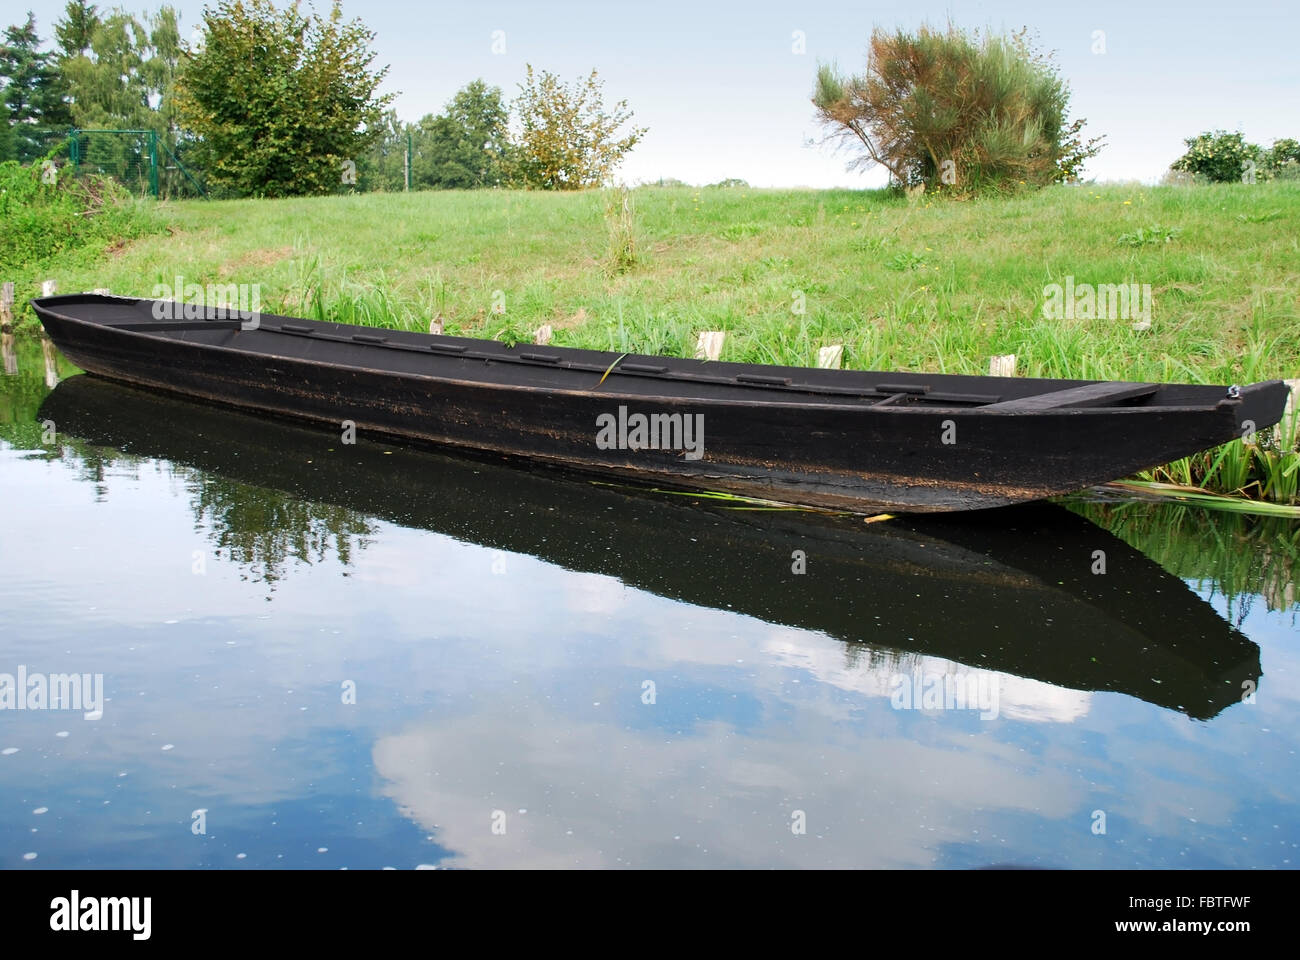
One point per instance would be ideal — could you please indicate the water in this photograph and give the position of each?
(320, 655)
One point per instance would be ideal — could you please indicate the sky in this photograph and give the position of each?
(724, 86)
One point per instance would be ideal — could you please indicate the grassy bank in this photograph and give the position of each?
(907, 286)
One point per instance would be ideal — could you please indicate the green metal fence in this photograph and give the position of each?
(156, 166)
(137, 158)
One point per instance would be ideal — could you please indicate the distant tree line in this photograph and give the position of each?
(273, 101)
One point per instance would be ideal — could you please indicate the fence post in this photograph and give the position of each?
(408, 160)
(153, 162)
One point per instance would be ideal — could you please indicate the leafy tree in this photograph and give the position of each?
(567, 139)
(282, 100)
(77, 28)
(33, 89)
(949, 109)
(1221, 157)
(467, 144)
(105, 79)
(121, 71)
(121, 74)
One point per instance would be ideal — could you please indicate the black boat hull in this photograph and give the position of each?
(833, 453)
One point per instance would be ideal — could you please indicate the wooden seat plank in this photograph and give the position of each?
(1090, 395)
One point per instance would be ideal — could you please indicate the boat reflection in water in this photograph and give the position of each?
(1018, 591)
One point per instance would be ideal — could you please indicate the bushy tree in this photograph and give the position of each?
(34, 90)
(567, 139)
(949, 109)
(282, 100)
(466, 145)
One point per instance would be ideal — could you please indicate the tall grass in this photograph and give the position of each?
(620, 216)
(1265, 466)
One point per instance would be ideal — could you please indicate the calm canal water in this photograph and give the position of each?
(364, 656)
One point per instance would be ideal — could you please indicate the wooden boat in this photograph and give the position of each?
(950, 586)
(841, 439)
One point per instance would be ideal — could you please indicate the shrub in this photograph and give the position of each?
(42, 220)
(1222, 157)
(1282, 161)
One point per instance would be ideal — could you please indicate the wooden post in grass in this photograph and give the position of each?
(48, 287)
(1003, 365)
(832, 357)
(543, 334)
(435, 326)
(709, 346)
(7, 352)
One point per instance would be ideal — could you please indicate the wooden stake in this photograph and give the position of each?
(832, 357)
(48, 287)
(1003, 365)
(709, 346)
(543, 334)
(8, 354)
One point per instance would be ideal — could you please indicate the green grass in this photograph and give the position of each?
(934, 286)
